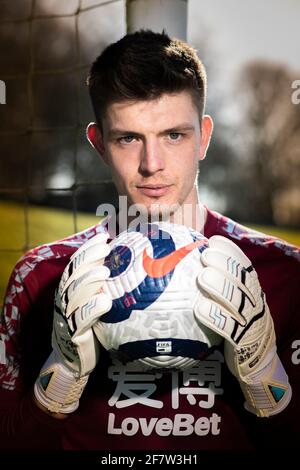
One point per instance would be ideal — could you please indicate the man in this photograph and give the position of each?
(148, 94)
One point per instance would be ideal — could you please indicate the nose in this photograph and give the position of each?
(152, 159)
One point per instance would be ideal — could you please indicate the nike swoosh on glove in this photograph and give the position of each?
(232, 304)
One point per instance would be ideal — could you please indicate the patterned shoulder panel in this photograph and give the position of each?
(19, 298)
(239, 232)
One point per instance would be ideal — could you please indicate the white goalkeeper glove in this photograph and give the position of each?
(79, 303)
(232, 303)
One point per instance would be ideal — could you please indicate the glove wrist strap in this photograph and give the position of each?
(267, 391)
(57, 388)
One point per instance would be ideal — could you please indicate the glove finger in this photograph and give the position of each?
(222, 261)
(245, 278)
(84, 294)
(78, 286)
(218, 319)
(84, 272)
(93, 254)
(226, 246)
(99, 239)
(86, 268)
(88, 313)
(95, 249)
(226, 293)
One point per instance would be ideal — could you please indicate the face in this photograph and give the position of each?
(153, 148)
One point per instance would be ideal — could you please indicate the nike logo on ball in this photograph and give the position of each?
(159, 267)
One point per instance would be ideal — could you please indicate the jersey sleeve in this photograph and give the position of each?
(16, 306)
(282, 431)
(25, 342)
(22, 424)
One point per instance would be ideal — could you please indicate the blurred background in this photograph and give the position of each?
(51, 180)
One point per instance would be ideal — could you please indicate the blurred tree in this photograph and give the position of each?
(216, 174)
(269, 172)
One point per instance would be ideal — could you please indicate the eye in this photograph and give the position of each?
(126, 139)
(175, 135)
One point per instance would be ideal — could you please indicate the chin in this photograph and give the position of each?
(160, 211)
(157, 208)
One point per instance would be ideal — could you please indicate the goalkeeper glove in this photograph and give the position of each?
(79, 303)
(232, 303)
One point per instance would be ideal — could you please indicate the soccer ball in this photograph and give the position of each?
(153, 286)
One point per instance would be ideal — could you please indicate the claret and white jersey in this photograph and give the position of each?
(123, 408)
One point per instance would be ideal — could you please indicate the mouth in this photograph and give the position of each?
(154, 190)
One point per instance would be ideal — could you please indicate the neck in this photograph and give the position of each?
(192, 214)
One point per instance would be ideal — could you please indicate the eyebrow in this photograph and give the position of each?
(180, 127)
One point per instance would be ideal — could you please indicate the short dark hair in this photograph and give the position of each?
(144, 65)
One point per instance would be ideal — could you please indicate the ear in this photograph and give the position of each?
(207, 126)
(95, 138)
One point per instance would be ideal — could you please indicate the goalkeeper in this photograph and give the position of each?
(58, 388)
